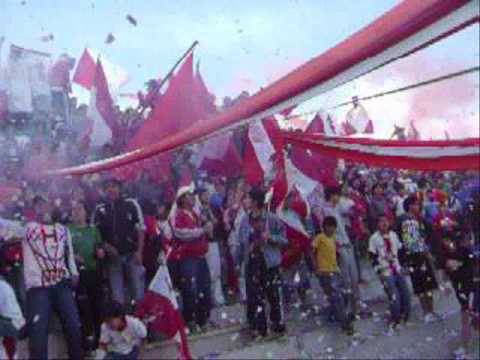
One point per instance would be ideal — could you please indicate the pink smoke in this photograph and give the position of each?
(261, 77)
(450, 105)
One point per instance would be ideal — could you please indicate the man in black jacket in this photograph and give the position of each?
(121, 225)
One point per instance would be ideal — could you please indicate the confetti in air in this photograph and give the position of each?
(131, 20)
(110, 39)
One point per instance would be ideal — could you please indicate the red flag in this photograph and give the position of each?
(219, 156)
(316, 125)
(173, 111)
(205, 100)
(85, 71)
(288, 110)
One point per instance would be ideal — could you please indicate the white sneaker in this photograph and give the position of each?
(429, 318)
(460, 353)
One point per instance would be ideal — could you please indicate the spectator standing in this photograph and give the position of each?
(262, 236)
(384, 246)
(417, 257)
(457, 262)
(87, 246)
(189, 250)
(120, 223)
(378, 206)
(325, 260)
(50, 272)
(11, 318)
(207, 218)
(346, 255)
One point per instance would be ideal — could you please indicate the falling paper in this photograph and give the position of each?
(131, 20)
(110, 39)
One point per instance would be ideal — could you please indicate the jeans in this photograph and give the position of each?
(332, 286)
(132, 355)
(195, 285)
(41, 302)
(399, 297)
(348, 270)
(263, 283)
(135, 277)
(215, 267)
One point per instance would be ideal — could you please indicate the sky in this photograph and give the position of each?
(247, 44)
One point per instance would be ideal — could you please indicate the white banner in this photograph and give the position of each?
(27, 78)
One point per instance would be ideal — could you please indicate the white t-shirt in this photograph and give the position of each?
(48, 256)
(9, 309)
(388, 263)
(123, 342)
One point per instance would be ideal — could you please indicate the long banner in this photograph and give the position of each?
(415, 155)
(407, 28)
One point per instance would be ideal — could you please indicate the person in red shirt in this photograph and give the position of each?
(189, 249)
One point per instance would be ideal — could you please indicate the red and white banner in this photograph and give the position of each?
(418, 155)
(101, 110)
(408, 27)
(263, 141)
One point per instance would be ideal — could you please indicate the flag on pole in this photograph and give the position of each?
(263, 141)
(159, 309)
(86, 68)
(101, 109)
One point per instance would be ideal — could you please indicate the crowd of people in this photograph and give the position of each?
(88, 248)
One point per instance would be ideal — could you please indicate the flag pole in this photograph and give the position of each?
(140, 108)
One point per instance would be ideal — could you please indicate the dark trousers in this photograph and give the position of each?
(89, 302)
(332, 286)
(40, 303)
(194, 284)
(132, 355)
(261, 284)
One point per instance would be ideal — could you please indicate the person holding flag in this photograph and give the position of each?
(261, 238)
